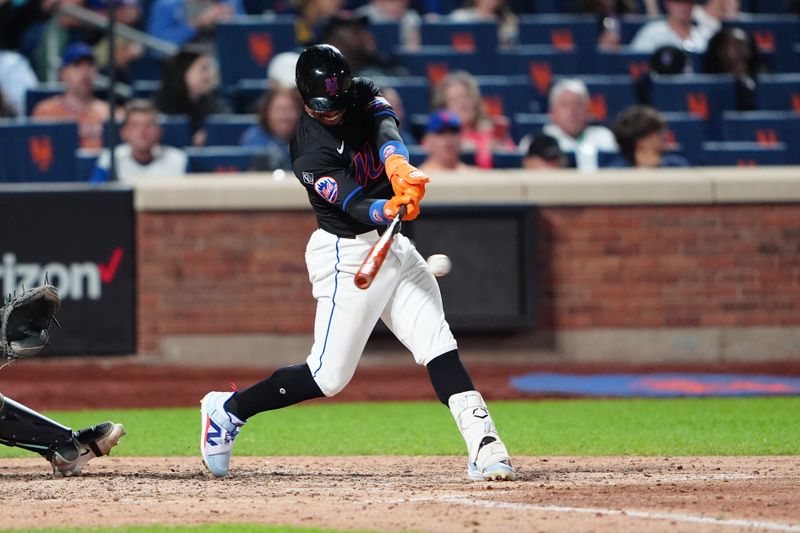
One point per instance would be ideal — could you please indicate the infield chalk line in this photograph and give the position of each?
(676, 517)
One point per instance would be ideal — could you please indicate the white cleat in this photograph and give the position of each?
(218, 430)
(492, 463)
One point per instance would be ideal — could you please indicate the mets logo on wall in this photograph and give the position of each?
(331, 86)
(327, 187)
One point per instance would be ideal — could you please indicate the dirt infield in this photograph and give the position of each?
(414, 493)
(377, 493)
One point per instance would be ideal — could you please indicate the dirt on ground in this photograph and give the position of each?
(706, 494)
(429, 494)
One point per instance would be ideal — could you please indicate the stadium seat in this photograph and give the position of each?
(434, 62)
(540, 63)
(41, 92)
(766, 128)
(146, 67)
(766, 6)
(743, 154)
(705, 96)
(215, 159)
(480, 37)
(245, 94)
(85, 161)
(226, 130)
(414, 91)
(629, 25)
(506, 95)
(41, 151)
(175, 131)
(245, 45)
(564, 32)
(523, 124)
(387, 34)
(779, 92)
(608, 96)
(622, 61)
(686, 133)
(775, 36)
(145, 88)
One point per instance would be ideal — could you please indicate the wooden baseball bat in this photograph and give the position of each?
(372, 263)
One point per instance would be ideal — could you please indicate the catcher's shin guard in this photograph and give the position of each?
(488, 457)
(25, 428)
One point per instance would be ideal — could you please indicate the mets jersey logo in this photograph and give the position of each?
(331, 86)
(327, 187)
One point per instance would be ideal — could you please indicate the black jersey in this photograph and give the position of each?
(340, 165)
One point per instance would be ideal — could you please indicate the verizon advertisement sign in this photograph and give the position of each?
(82, 241)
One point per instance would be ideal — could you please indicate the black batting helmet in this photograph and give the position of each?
(323, 78)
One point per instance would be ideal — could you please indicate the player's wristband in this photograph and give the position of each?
(376, 212)
(392, 148)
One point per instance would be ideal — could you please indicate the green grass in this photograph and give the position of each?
(211, 528)
(730, 426)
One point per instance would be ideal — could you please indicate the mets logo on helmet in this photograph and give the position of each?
(331, 86)
(327, 187)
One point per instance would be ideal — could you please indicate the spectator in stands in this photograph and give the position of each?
(351, 35)
(312, 17)
(393, 97)
(608, 13)
(182, 21)
(16, 77)
(280, 71)
(23, 24)
(141, 156)
(459, 93)
(569, 124)
(278, 114)
(666, 61)
(641, 133)
(676, 29)
(442, 142)
(189, 87)
(710, 15)
(492, 11)
(734, 51)
(544, 154)
(397, 11)
(78, 103)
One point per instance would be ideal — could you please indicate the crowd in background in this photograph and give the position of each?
(459, 121)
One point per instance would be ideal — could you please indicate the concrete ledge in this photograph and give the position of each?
(701, 185)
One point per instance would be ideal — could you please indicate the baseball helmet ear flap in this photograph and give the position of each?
(323, 78)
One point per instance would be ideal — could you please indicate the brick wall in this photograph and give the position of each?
(601, 267)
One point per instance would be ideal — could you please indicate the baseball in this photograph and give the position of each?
(439, 264)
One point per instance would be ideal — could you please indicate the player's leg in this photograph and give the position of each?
(416, 316)
(345, 317)
(67, 451)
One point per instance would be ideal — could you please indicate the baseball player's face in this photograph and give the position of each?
(326, 118)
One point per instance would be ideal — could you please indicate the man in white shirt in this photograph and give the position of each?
(676, 29)
(141, 156)
(16, 77)
(569, 124)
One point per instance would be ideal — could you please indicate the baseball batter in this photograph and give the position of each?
(349, 156)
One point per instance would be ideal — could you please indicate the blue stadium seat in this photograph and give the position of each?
(775, 36)
(506, 160)
(608, 96)
(226, 130)
(175, 131)
(743, 154)
(523, 124)
(245, 45)
(245, 94)
(506, 95)
(434, 62)
(779, 92)
(145, 88)
(550, 6)
(414, 91)
(540, 63)
(146, 67)
(41, 92)
(686, 134)
(214, 159)
(622, 61)
(630, 24)
(41, 151)
(387, 34)
(767, 128)
(479, 37)
(705, 96)
(85, 161)
(563, 32)
(766, 6)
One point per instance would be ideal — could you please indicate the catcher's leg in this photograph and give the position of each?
(66, 450)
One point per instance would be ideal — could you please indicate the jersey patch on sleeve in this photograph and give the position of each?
(308, 177)
(378, 102)
(327, 187)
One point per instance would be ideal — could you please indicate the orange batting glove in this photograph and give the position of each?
(392, 206)
(406, 178)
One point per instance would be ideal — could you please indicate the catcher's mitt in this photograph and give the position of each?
(25, 319)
